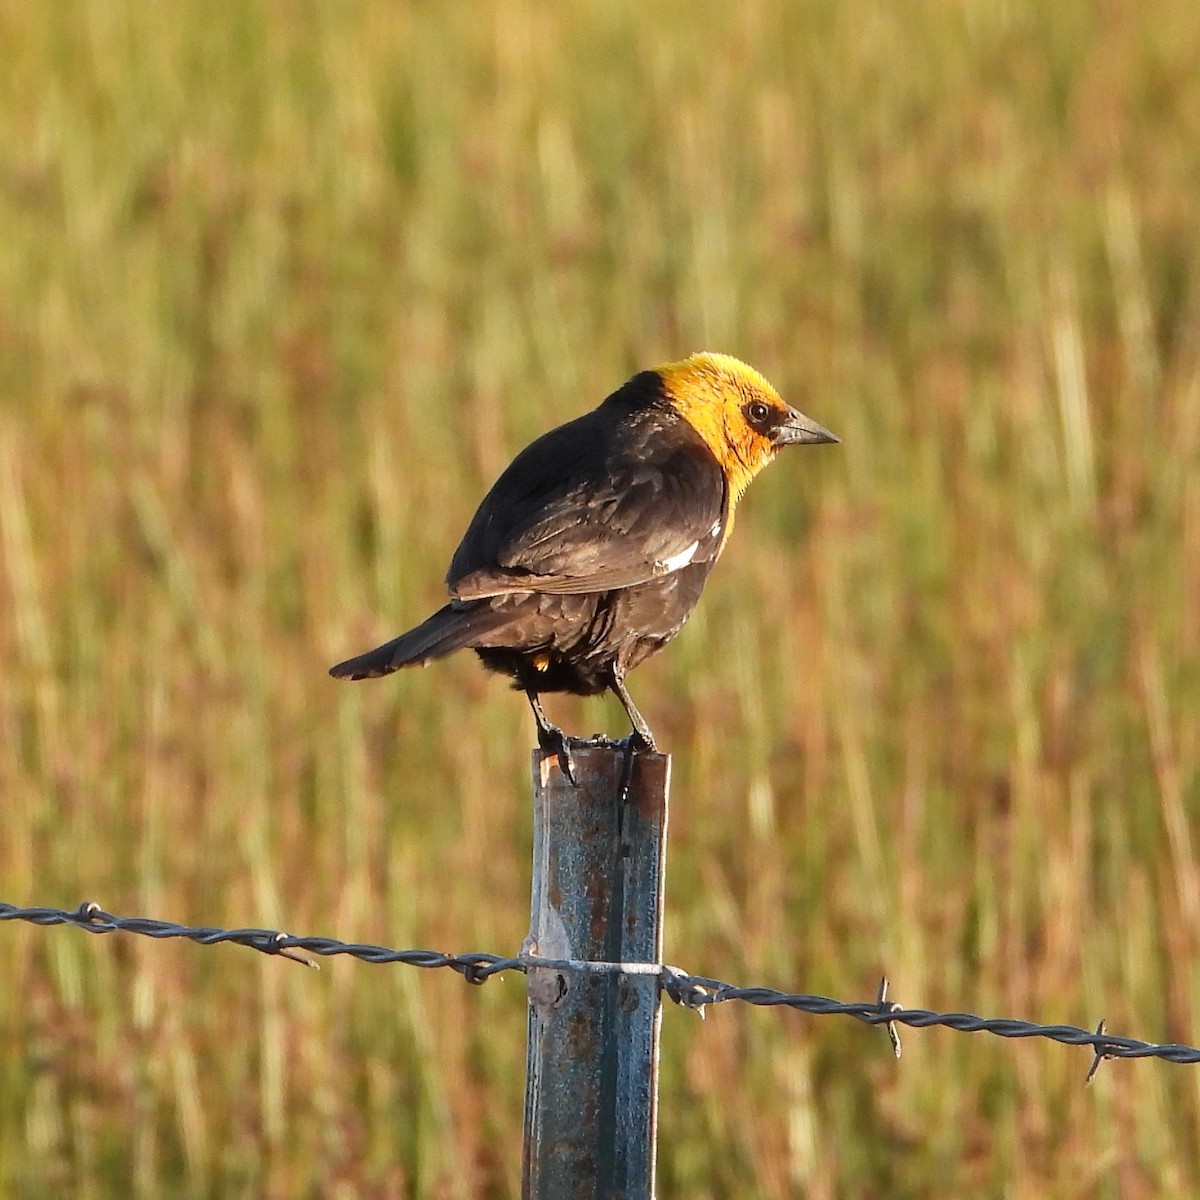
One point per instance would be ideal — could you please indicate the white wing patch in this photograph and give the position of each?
(676, 561)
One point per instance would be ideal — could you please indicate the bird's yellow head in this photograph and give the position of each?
(737, 412)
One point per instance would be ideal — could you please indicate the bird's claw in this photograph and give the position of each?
(554, 741)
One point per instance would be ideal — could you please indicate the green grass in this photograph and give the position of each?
(282, 287)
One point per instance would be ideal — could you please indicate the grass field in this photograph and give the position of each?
(283, 287)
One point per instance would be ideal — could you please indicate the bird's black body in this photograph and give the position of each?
(588, 515)
(591, 549)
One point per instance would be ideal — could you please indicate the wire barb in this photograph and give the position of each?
(696, 992)
(1100, 1055)
(883, 1005)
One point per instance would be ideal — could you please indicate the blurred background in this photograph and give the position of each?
(282, 289)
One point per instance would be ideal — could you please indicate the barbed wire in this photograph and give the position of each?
(696, 992)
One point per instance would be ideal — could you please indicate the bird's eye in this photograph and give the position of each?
(757, 412)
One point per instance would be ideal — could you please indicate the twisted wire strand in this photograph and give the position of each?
(690, 991)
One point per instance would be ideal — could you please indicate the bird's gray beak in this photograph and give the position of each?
(799, 430)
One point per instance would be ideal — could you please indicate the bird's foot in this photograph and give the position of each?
(552, 740)
(633, 745)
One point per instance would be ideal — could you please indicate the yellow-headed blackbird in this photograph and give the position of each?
(591, 549)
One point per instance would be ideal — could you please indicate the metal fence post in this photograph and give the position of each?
(591, 1086)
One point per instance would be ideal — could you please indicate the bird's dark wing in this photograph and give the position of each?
(594, 506)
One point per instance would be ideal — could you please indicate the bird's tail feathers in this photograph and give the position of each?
(449, 629)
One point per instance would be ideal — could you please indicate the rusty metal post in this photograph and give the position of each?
(591, 1084)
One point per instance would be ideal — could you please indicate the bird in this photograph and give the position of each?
(591, 549)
